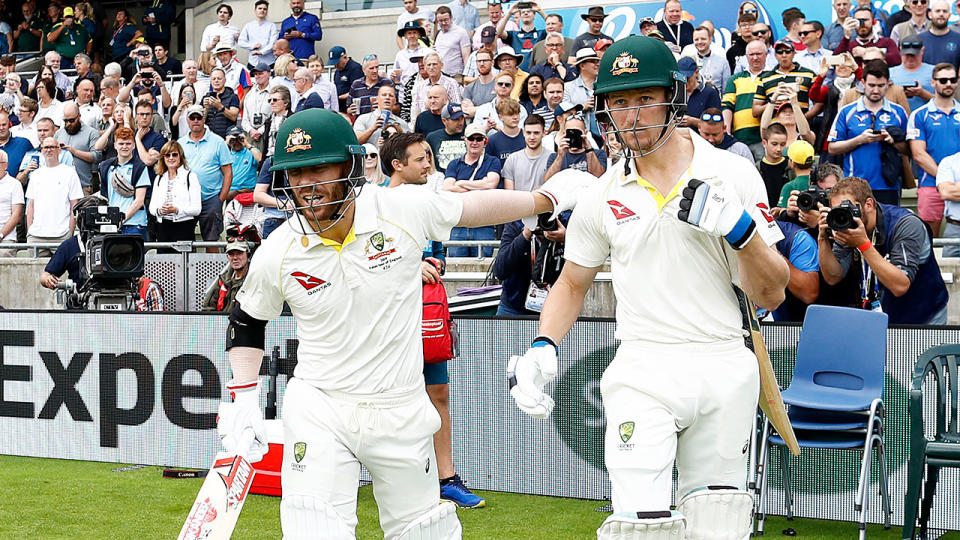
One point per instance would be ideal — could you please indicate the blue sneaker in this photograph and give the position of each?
(457, 492)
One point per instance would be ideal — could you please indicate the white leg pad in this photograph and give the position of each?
(642, 526)
(441, 523)
(303, 517)
(718, 513)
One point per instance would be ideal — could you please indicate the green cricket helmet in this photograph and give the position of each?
(316, 137)
(639, 62)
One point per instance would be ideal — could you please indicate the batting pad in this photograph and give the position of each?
(305, 518)
(441, 523)
(643, 526)
(718, 513)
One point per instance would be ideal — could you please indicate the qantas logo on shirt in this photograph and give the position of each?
(309, 282)
(765, 210)
(619, 210)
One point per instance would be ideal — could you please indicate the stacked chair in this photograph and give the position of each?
(835, 400)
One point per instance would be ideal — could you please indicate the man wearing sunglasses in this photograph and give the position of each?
(918, 21)
(914, 75)
(787, 73)
(79, 139)
(814, 53)
(859, 32)
(595, 18)
(710, 124)
(940, 43)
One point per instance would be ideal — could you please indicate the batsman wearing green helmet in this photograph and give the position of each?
(683, 223)
(347, 262)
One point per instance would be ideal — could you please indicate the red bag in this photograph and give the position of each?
(439, 330)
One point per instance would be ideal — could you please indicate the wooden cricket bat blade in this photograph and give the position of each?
(215, 511)
(771, 402)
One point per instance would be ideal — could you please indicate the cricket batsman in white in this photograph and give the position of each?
(683, 223)
(348, 265)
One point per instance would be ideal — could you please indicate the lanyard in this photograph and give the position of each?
(675, 35)
(869, 284)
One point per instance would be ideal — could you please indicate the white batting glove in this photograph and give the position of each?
(528, 374)
(242, 421)
(712, 210)
(564, 188)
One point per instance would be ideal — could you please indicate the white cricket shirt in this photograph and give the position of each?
(359, 305)
(673, 282)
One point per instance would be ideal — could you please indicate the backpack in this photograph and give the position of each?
(440, 338)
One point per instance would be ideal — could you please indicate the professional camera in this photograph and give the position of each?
(808, 200)
(841, 218)
(545, 224)
(111, 264)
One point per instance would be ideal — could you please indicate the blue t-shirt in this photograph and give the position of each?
(205, 157)
(804, 254)
(923, 74)
(345, 77)
(939, 130)
(16, 148)
(865, 160)
(66, 259)
(577, 161)
(139, 218)
(702, 99)
(524, 42)
(936, 49)
(266, 177)
(244, 170)
(459, 170)
(502, 145)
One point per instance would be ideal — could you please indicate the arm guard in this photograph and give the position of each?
(244, 330)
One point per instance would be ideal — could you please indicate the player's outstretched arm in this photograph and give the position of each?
(495, 206)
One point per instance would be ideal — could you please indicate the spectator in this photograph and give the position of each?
(913, 75)
(677, 32)
(222, 295)
(259, 35)
(83, 65)
(507, 62)
(14, 147)
(575, 151)
(69, 38)
(553, 24)
(787, 112)
(307, 97)
(713, 66)
(53, 18)
(836, 31)
(553, 91)
(372, 170)
(220, 32)
(475, 171)
(580, 90)
(813, 55)
(52, 61)
(178, 119)
(787, 77)
(773, 166)
(532, 98)
(51, 193)
(8, 68)
(49, 106)
(710, 124)
(904, 278)
(124, 181)
(368, 126)
(948, 185)
(433, 64)
(917, 23)
(284, 71)
(594, 17)
(861, 137)
(207, 155)
(405, 93)
(237, 76)
(800, 162)
(527, 36)
(430, 119)
(45, 128)
(452, 43)
(272, 203)
(933, 134)
(148, 141)
(464, 15)
(27, 34)
(863, 25)
(404, 65)
(554, 65)
(11, 205)
(279, 111)
(245, 162)
(221, 104)
(256, 106)
(90, 112)
(509, 138)
(157, 20)
(322, 84)
(302, 31)
(524, 170)
(79, 139)
(448, 144)
(368, 86)
(792, 19)
(413, 13)
(736, 53)
(518, 247)
(761, 33)
(482, 89)
(700, 97)
(494, 14)
(941, 44)
(488, 39)
(487, 114)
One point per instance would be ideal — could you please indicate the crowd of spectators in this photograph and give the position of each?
(503, 101)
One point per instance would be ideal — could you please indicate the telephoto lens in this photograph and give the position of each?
(841, 218)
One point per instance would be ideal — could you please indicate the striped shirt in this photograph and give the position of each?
(798, 74)
(738, 97)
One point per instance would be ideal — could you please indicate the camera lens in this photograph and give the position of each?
(841, 219)
(806, 201)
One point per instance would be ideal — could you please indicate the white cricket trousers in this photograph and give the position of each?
(390, 433)
(693, 403)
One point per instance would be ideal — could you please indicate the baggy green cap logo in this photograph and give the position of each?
(625, 63)
(377, 241)
(298, 140)
(300, 449)
(626, 431)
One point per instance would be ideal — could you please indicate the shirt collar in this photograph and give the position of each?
(861, 106)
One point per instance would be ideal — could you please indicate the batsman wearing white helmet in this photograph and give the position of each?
(348, 265)
(683, 223)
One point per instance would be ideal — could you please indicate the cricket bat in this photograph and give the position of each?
(215, 511)
(771, 402)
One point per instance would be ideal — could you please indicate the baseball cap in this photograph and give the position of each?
(235, 243)
(565, 107)
(602, 44)
(647, 20)
(194, 109)
(475, 128)
(335, 54)
(234, 130)
(452, 112)
(784, 43)
(687, 66)
(423, 53)
(488, 34)
(585, 54)
(910, 45)
(261, 66)
(801, 153)
(67, 12)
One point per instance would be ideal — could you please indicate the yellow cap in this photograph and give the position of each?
(801, 153)
(68, 12)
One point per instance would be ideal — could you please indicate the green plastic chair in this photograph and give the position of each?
(928, 456)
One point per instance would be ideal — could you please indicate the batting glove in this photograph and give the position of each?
(242, 421)
(712, 210)
(564, 188)
(528, 374)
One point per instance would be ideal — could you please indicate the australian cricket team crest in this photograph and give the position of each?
(626, 431)
(381, 251)
(625, 63)
(377, 241)
(298, 140)
(299, 450)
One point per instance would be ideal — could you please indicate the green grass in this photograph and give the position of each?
(60, 499)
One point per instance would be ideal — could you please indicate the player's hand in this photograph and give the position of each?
(243, 415)
(715, 212)
(564, 188)
(853, 237)
(528, 374)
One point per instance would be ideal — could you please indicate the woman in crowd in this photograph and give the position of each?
(371, 166)
(283, 71)
(279, 111)
(84, 14)
(125, 32)
(45, 72)
(790, 115)
(178, 120)
(844, 78)
(205, 63)
(49, 106)
(434, 177)
(176, 196)
(531, 95)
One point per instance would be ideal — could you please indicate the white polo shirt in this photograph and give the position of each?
(673, 282)
(52, 189)
(358, 306)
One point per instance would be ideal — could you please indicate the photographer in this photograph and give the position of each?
(246, 158)
(824, 178)
(528, 263)
(220, 104)
(146, 79)
(898, 270)
(221, 296)
(368, 126)
(575, 150)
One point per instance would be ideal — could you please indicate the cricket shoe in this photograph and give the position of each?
(455, 491)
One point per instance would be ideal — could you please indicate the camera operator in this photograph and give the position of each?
(528, 263)
(816, 186)
(146, 79)
(898, 271)
(575, 150)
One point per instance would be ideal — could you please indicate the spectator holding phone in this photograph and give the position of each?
(575, 150)
(858, 32)
(369, 126)
(914, 75)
